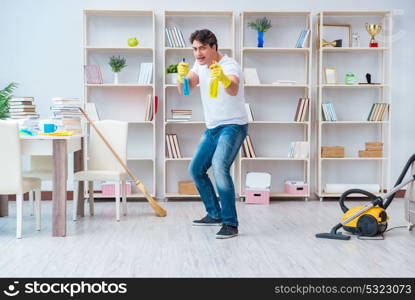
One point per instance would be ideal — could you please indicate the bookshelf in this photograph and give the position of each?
(353, 102)
(274, 105)
(105, 34)
(222, 23)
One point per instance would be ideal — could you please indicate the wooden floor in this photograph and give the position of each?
(275, 241)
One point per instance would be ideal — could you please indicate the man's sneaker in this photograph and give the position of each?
(227, 231)
(207, 221)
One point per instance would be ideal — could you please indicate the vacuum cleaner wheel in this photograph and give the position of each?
(367, 226)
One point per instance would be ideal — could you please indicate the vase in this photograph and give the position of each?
(115, 77)
(260, 39)
(171, 78)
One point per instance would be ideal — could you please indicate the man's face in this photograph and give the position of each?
(203, 53)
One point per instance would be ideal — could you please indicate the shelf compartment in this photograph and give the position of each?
(354, 49)
(270, 85)
(133, 195)
(354, 86)
(282, 195)
(353, 158)
(111, 48)
(104, 85)
(273, 158)
(274, 49)
(279, 122)
(354, 122)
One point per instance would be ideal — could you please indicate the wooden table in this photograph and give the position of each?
(59, 147)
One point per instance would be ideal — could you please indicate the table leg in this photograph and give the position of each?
(60, 174)
(4, 205)
(79, 166)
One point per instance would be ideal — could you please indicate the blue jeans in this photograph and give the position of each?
(218, 148)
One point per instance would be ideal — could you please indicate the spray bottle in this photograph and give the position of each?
(214, 86)
(186, 85)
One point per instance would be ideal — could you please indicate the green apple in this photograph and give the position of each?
(132, 42)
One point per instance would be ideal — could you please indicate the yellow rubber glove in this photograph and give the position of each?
(216, 72)
(182, 70)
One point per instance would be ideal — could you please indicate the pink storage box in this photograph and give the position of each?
(257, 189)
(295, 187)
(108, 189)
(257, 197)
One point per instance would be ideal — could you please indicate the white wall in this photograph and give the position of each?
(41, 49)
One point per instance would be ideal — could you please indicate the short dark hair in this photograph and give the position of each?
(205, 36)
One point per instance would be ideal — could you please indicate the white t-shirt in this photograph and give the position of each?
(225, 109)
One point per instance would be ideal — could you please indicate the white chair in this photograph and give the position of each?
(11, 180)
(40, 167)
(103, 166)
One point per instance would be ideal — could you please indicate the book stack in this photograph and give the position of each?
(298, 150)
(248, 148)
(302, 38)
(378, 112)
(372, 149)
(174, 37)
(302, 110)
(66, 114)
(173, 149)
(151, 107)
(249, 112)
(22, 108)
(146, 71)
(329, 114)
(93, 74)
(180, 115)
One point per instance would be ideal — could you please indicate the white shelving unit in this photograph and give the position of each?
(274, 106)
(221, 23)
(353, 102)
(105, 34)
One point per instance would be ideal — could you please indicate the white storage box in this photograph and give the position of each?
(257, 187)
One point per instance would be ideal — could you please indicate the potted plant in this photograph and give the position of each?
(5, 96)
(117, 64)
(261, 25)
(171, 71)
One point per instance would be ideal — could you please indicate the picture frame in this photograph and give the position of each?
(330, 75)
(335, 32)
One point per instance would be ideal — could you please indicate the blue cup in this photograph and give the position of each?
(49, 128)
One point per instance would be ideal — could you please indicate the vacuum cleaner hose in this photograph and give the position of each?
(354, 191)
(401, 177)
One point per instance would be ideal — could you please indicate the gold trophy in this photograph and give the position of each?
(373, 30)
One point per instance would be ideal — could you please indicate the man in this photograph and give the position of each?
(227, 126)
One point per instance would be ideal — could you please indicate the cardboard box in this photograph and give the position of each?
(187, 188)
(332, 152)
(372, 153)
(373, 146)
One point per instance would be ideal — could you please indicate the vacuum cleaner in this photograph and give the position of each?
(371, 219)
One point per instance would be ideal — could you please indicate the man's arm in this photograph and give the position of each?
(233, 89)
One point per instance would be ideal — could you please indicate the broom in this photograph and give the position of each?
(156, 207)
